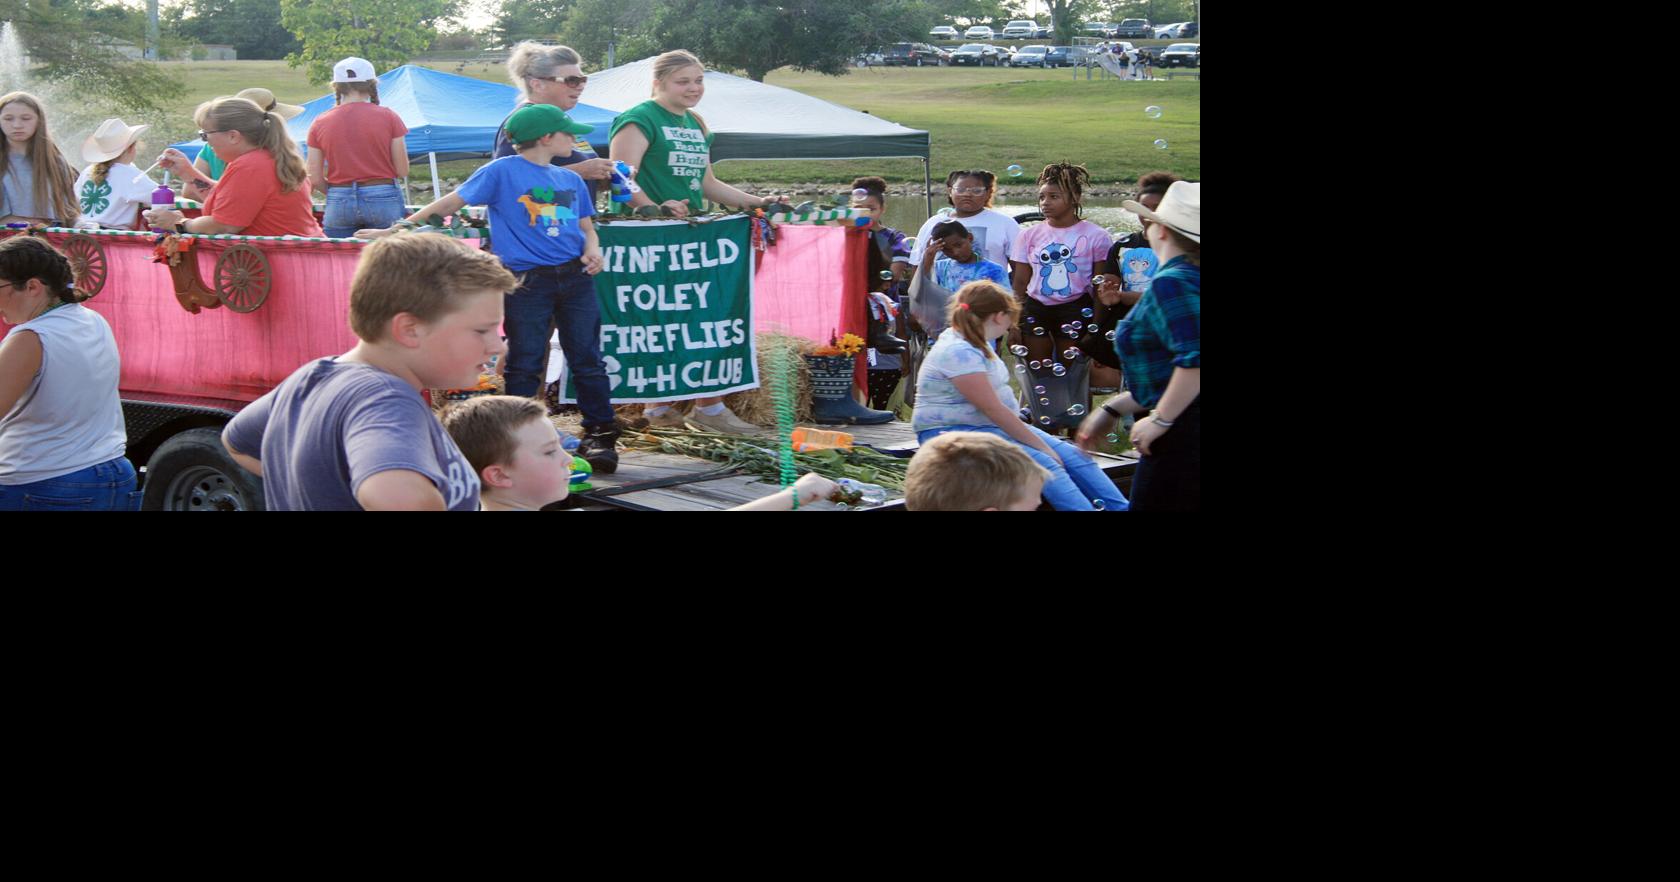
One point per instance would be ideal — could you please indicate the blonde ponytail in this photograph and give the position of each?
(266, 130)
(100, 170)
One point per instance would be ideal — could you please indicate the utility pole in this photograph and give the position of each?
(151, 30)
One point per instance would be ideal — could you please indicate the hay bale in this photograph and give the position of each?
(758, 406)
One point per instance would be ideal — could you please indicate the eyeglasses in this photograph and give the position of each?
(574, 82)
(968, 191)
(205, 136)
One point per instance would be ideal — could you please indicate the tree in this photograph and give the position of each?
(759, 36)
(251, 27)
(75, 42)
(385, 32)
(592, 25)
(1068, 15)
(529, 19)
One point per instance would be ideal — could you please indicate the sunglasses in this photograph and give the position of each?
(574, 82)
(205, 136)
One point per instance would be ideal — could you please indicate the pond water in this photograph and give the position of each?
(907, 213)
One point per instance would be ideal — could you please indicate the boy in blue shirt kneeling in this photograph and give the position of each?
(541, 229)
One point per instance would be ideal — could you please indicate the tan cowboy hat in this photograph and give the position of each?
(1180, 209)
(265, 99)
(110, 140)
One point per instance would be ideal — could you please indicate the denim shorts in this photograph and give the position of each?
(108, 486)
(357, 207)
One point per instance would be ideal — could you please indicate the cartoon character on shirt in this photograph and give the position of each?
(1139, 265)
(1057, 269)
(552, 208)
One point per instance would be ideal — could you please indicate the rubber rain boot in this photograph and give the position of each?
(831, 393)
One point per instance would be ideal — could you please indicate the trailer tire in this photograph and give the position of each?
(192, 472)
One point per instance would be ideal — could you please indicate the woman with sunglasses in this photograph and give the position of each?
(202, 172)
(553, 75)
(62, 436)
(265, 189)
(970, 193)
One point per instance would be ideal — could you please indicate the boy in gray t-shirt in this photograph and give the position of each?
(353, 432)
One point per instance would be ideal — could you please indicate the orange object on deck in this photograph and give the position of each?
(807, 439)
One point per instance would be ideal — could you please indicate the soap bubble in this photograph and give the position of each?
(1077, 326)
(1161, 143)
(842, 506)
(1020, 368)
(1058, 370)
(1026, 415)
(1113, 438)
(1015, 171)
(1086, 312)
(1035, 364)
(1098, 505)
(1044, 420)
(1109, 336)
(1076, 410)
(860, 194)
(1031, 320)
(886, 275)
(1018, 349)
(1071, 353)
(1043, 402)
(1038, 390)
(1153, 110)
(947, 211)
(1068, 330)
(1038, 331)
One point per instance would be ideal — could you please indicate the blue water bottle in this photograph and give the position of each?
(623, 188)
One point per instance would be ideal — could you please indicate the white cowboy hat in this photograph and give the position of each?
(265, 99)
(1180, 209)
(110, 140)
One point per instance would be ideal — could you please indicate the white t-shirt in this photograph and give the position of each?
(994, 235)
(115, 202)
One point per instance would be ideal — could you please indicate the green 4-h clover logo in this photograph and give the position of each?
(96, 197)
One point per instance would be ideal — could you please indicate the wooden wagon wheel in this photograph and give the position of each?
(87, 263)
(243, 278)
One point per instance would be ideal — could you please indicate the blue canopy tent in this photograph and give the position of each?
(448, 116)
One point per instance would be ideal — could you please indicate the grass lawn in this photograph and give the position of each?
(978, 117)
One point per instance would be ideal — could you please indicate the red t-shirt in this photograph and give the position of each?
(248, 196)
(355, 141)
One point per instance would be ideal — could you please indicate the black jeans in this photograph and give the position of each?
(1170, 479)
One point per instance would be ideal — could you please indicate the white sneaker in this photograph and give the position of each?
(726, 422)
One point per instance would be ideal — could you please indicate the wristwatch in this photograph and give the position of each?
(1112, 412)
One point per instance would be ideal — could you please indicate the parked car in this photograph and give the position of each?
(943, 32)
(911, 54)
(975, 54)
(944, 54)
(1098, 28)
(1134, 27)
(1182, 55)
(1029, 56)
(979, 32)
(1171, 31)
(1193, 29)
(1065, 56)
(1042, 32)
(869, 59)
(1019, 29)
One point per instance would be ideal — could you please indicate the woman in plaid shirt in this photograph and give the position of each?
(1160, 348)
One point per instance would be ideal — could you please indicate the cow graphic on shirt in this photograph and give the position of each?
(553, 209)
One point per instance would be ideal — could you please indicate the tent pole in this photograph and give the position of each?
(927, 184)
(437, 192)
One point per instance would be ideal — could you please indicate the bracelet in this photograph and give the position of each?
(1161, 421)
(795, 493)
(1112, 412)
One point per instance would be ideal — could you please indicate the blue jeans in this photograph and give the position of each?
(108, 486)
(1069, 489)
(564, 297)
(357, 207)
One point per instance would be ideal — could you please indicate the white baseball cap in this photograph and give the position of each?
(353, 70)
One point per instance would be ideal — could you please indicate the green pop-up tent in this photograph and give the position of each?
(759, 121)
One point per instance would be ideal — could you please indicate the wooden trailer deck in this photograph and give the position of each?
(689, 484)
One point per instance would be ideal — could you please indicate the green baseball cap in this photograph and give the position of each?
(531, 123)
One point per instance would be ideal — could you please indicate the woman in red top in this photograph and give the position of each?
(264, 191)
(357, 151)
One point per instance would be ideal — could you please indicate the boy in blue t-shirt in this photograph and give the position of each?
(957, 264)
(541, 229)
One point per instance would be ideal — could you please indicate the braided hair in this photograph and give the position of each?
(25, 257)
(1071, 179)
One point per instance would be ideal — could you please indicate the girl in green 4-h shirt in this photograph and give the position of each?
(669, 144)
(670, 148)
